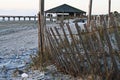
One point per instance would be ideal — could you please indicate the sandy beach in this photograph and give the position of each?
(17, 38)
(17, 35)
(20, 38)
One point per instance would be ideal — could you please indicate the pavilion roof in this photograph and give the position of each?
(64, 9)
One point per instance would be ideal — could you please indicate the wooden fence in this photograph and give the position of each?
(94, 50)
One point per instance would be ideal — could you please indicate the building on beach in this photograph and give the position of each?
(65, 11)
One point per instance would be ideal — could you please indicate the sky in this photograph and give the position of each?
(31, 7)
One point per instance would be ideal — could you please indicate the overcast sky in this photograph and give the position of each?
(30, 7)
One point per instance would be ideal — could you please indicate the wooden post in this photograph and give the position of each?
(8, 18)
(41, 30)
(29, 18)
(35, 18)
(3, 18)
(13, 18)
(90, 11)
(24, 18)
(19, 18)
(109, 10)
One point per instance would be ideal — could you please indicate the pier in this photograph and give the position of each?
(18, 18)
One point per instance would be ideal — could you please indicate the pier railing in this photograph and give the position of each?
(18, 18)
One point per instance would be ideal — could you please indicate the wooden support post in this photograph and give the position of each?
(8, 18)
(109, 10)
(19, 18)
(13, 18)
(41, 24)
(41, 30)
(90, 11)
(3, 18)
(24, 18)
(29, 18)
(35, 18)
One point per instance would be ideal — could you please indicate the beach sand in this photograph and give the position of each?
(17, 35)
(20, 38)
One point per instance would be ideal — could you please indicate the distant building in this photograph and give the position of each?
(66, 11)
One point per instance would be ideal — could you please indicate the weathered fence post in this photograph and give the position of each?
(90, 11)
(109, 10)
(41, 31)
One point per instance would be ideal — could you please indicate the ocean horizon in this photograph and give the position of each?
(18, 12)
